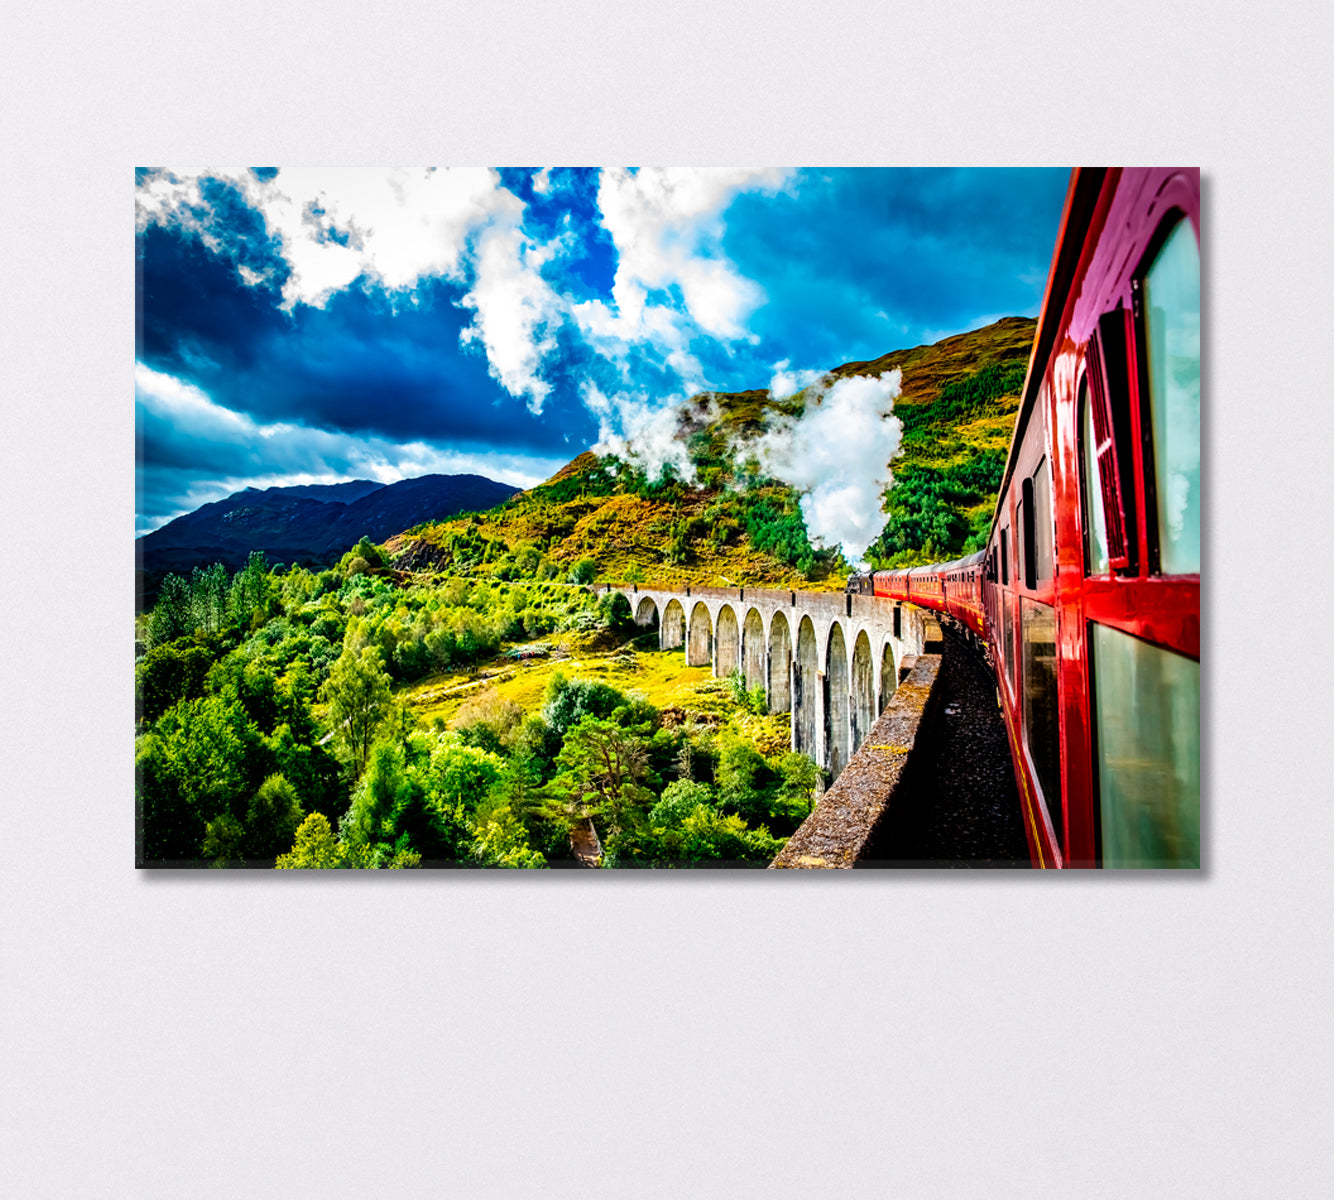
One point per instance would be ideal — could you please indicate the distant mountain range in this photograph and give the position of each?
(310, 523)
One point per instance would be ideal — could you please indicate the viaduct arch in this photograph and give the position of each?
(831, 659)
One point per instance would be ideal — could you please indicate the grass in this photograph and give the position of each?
(660, 676)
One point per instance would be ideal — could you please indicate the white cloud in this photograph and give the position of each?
(837, 455)
(516, 310)
(400, 225)
(667, 228)
(787, 383)
(188, 408)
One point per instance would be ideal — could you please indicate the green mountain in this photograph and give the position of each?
(601, 517)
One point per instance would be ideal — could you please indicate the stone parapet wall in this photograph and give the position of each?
(837, 831)
(781, 597)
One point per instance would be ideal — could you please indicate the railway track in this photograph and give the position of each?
(959, 806)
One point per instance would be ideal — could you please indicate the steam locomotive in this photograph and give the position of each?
(1088, 591)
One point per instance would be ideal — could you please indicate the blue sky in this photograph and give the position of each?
(315, 325)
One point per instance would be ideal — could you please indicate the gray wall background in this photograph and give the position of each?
(711, 1035)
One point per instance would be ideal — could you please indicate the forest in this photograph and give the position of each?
(281, 712)
(273, 730)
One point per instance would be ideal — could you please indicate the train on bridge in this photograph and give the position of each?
(1087, 595)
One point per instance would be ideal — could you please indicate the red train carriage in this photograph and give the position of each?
(1089, 588)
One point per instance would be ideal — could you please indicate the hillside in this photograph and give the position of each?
(735, 528)
(927, 369)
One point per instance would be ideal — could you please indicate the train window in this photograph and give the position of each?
(1042, 557)
(1025, 560)
(1171, 307)
(1095, 522)
(1007, 621)
(1005, 557)
(1109, 443)
(1148, 752)
(1042, 730)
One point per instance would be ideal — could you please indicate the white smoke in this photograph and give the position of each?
(641, 432)
(837, 455)
(787, 383)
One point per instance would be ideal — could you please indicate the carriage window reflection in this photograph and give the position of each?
(1095, 522)
(1148, 732)
(1172, 323)
(1042, 729)
(1042, 554)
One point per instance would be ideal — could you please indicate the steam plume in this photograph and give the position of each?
(837, 455)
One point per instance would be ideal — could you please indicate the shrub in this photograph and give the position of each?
(678, 801)
(567, 702)
(584, 571)
(489, 721)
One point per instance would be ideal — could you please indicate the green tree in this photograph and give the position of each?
(363, 557)
(603, 772)
(357, 692)
(311, 770)
(502, 841)
(568, 701)
(315, 847)
(249, 595)
(436, 811)
(382, 789)
(500, 836)
(709, 835)
(172, 616)
(168, 674)
(209, 588)
(744, 779)
(799, 777)
(614, 608)
(272, 819)
(584, 571)
(198, 761)
(224, 841)
(463, 775)
(678, 801)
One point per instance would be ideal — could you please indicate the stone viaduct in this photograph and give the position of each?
(831, 659)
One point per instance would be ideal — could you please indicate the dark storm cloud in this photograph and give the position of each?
(195, 310)
(361, 364)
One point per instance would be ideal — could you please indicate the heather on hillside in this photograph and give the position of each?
(734, 525)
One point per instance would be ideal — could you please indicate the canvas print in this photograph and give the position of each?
(667, 518)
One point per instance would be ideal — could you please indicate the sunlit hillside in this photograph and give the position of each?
(602, 518)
